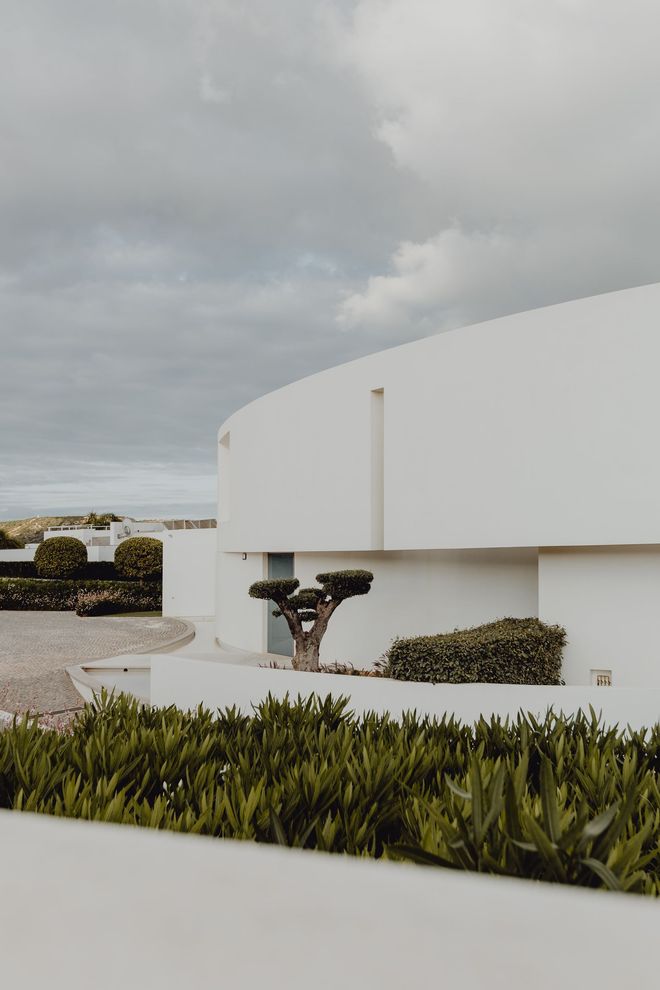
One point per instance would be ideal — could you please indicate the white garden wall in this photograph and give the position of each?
(189, 572)
(186, 683)
(185, 911)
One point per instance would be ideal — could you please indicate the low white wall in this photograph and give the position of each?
(186, 683)
(414, 593)
(96, 554)
(609, 602)
(17, 555)
(182, 909)
(240, 620)
(189, 578)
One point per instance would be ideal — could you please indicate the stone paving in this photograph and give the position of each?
(36, 647)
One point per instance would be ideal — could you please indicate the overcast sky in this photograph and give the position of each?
(202, 200)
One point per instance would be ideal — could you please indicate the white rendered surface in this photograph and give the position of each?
(530, 430)
(413, 593)
(241, 620)
(189, 572)
(608, 599)
(187, 682)
(177, 912)
(421, 593)
(23, 553)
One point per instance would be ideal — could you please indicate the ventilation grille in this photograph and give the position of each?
(601, 678)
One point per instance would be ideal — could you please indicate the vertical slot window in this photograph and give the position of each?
(377, 468)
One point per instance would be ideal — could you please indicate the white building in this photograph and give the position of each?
(507, 468)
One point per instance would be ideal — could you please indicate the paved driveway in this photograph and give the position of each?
(35, 647)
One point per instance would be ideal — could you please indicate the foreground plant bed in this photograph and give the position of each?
(559, 800)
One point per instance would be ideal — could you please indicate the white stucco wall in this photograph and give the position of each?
(189, 572)
(240, 620)
(530, 430)
(179, 912)
(609, 602)
(17, 555)
(414, 593)
(185, 682)
(421, 593)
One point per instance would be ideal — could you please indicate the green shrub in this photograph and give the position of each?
(509, 651)
(94, 570)
(60, 557)
(7, 542)
(556, 799)
(140, 557)
(128, 597)
(28, 594)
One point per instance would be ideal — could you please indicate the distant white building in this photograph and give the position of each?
(102, 541)
(504, 469)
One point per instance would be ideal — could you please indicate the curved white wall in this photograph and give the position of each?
(535, 431)
(531, 430)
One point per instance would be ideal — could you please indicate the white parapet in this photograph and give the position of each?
(138, 908)
(186, 682)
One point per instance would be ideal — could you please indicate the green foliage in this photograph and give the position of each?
(60, 557)
(6, 541)
(100, 519)
(97, 570)
(26, 594)
(140, 558)
(345, 584)
(273, 589)
(563, 800)
(129, 596)
(509, 651)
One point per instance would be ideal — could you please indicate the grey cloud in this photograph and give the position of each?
(205, 199)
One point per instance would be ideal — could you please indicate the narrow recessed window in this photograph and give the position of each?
(601, 678)
(377, 468)
(224, 478)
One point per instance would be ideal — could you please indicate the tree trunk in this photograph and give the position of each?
(306, 654)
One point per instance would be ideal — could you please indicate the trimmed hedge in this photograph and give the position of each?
(60, 557)
(25, 594)
(556, 799)
(130, 597)
(509, 651)
(140, 558)
(100, 570)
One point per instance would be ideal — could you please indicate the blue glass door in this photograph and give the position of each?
(280, 641)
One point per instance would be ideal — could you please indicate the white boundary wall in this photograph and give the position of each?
(189, 911)
(187, 683)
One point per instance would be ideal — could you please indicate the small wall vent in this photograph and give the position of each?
(601, 678)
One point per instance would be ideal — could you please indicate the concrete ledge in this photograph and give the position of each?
(187, 682)
(181, 911)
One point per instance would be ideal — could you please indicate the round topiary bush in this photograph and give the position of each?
(140, 558)
(60, 557)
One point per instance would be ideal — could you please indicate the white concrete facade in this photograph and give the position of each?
(189, 571)
(479, 473)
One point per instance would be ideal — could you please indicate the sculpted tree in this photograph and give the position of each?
(311, 605)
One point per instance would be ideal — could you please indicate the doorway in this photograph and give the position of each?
(280, 641)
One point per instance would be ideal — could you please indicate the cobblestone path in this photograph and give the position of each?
(36, 647)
